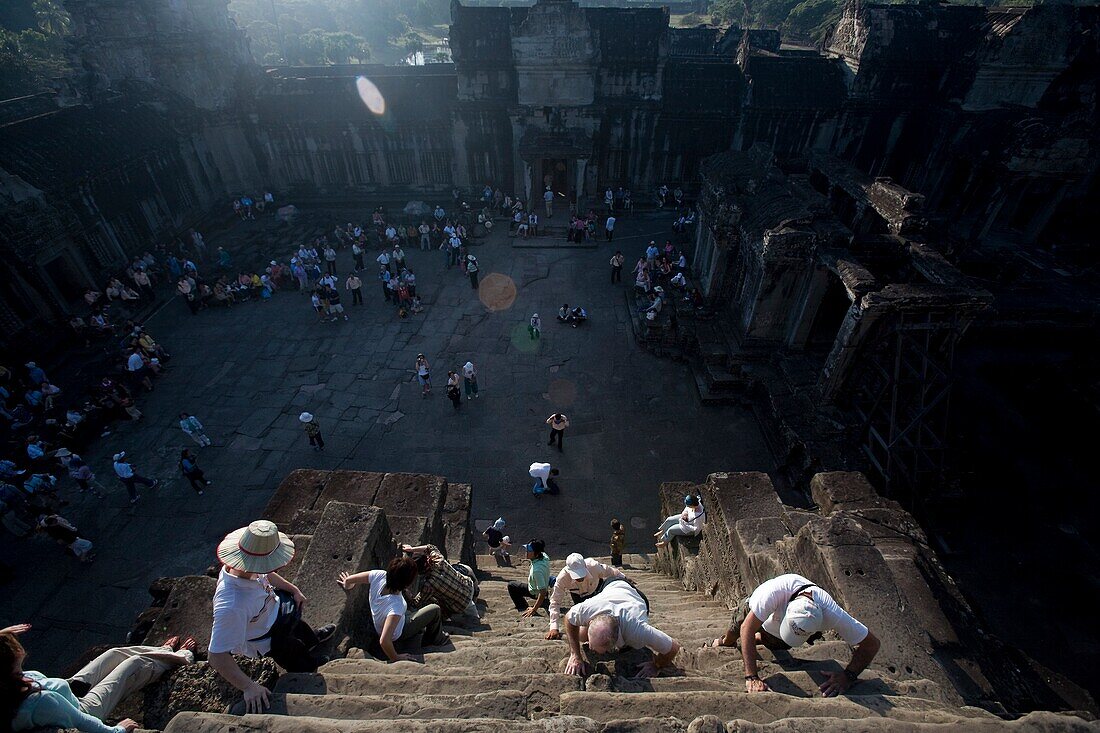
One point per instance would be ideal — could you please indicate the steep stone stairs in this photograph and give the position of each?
(504, 675)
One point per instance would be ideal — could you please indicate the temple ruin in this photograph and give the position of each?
(883, 222)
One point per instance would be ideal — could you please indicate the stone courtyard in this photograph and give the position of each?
(247, 373)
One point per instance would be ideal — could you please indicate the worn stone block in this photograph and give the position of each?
(188, 611)
(297, 491)
(301, 546)
(349, 538)
(412, 494)
(836, 488)
(352, 487)
(409, 530)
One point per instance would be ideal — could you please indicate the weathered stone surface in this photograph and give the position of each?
(409, 530)
(301, 547)
(197, 687)
(211, 723)
(834, 489)
(187, 611)
(503, 704)
(543, 688)
(349, 538)
(299, 490)
(352, 487)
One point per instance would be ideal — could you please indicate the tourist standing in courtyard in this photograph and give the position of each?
(330, 259)
(129, 477)
(609, 228)
(471, 270)
(423, 375)
(558, 423)
(454, 394)
(189, 467)
(469, 377)
(190, 425)
(618, 542)
(355, 286)
(313, 430)
(617, 260)
(534, 328)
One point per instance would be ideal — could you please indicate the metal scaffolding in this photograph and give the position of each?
(903, 401)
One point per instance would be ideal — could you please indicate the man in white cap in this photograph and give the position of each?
(785, 612)
(615, 618)
(582, 577)
(257, 613)
(313, 430)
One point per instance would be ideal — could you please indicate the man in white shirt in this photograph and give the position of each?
(542, 473)
(257, 613)
(609, 228)
(129, 477)
(425, 239)
(581, 578)
(615, 618)
(135, 365)
(785, 612)
(384, 259)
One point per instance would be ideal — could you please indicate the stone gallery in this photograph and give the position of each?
(854, 366)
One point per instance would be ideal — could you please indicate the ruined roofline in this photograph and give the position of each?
(338, 71)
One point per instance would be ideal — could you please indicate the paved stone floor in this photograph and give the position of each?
(249, 371)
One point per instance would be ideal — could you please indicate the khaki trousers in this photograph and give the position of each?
(116, 673)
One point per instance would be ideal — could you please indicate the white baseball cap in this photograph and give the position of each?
(120, 455)
(802, 620)
(574, 565)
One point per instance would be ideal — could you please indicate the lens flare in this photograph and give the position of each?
(496, 291)
(522, 341)
(370, 95)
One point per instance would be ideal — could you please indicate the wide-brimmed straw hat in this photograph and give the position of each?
(258, 548)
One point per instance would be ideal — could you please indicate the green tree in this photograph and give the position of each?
(51, 18)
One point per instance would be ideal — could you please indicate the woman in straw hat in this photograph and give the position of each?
(258, 613)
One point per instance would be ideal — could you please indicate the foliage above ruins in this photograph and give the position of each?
(312, 32)
(32, 41)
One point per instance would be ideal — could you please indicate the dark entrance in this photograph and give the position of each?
(65, 278)
(555, 174)
(830, 315)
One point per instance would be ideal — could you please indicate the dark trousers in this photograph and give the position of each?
(131, 489)
(293, 650)
(610, 234)
(358, 262)
(357, 296)
(386, 292)
(332, 267)
(616, 274)
(616, 560)
(519, 594)
(317, 441)
(197, 479)
(556, 435)
(473, 279)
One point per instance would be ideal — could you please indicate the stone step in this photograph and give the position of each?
(189, 722)
(1041, 722)
(540, 689)
(505, 662)
(755, 708)
(502, 704)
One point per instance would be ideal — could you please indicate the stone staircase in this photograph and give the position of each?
(504, 675)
